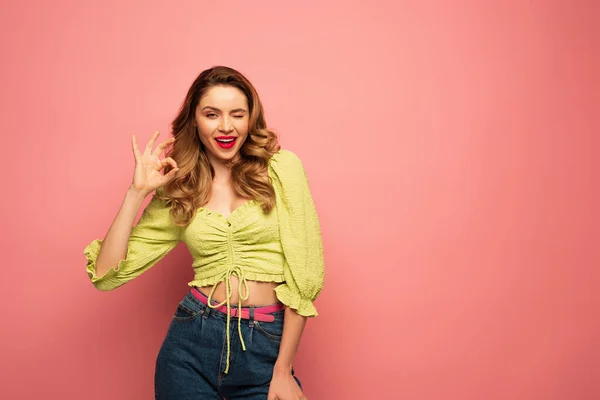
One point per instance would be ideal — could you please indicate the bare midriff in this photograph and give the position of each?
(260, 293)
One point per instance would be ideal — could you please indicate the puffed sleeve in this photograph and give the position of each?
(151, 239)
(300, 234)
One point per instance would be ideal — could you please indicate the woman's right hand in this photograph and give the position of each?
(147, 176)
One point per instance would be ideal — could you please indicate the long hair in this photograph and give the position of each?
(192, 186)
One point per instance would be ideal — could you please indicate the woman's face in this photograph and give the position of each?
(222, 117)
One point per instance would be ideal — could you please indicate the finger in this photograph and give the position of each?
(168, 161)
(173, 168)
(171, 174)
(136, 151)
(162, 146)
(151, 143)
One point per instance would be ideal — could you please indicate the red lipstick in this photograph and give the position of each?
(226, 142)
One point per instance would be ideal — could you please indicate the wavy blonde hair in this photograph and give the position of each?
(192, 186)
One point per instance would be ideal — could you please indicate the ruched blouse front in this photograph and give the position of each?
(247, 239)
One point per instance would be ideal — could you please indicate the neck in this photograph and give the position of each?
(222, 170)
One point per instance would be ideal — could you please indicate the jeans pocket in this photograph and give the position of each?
(188, 310)
(272, 330)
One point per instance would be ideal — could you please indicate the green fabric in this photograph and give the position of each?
(284, 246)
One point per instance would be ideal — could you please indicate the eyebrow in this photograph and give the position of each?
(216, 109)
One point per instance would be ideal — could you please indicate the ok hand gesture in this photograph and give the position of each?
(147, 176)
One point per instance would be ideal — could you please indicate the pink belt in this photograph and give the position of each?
(262, 313)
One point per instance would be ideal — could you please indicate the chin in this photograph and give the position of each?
(225, 155)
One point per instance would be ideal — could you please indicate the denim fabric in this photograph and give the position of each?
(191, 361)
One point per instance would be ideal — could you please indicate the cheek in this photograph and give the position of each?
(242, 126)
(207, 126)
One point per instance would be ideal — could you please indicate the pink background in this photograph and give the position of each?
(450, 148)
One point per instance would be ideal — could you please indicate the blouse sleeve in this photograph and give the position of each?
(300, 234)
(152, 238)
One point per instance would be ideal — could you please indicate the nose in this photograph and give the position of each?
(226, 125)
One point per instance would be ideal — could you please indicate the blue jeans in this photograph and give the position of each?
(191, 361)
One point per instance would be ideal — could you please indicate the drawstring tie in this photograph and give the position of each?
(235, 270)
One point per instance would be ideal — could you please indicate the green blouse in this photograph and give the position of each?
(283, 246)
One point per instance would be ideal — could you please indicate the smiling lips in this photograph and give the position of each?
(226, 142)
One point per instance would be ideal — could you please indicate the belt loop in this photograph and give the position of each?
(251, 317)
(206, 311)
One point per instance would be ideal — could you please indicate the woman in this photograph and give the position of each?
(243, 207)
